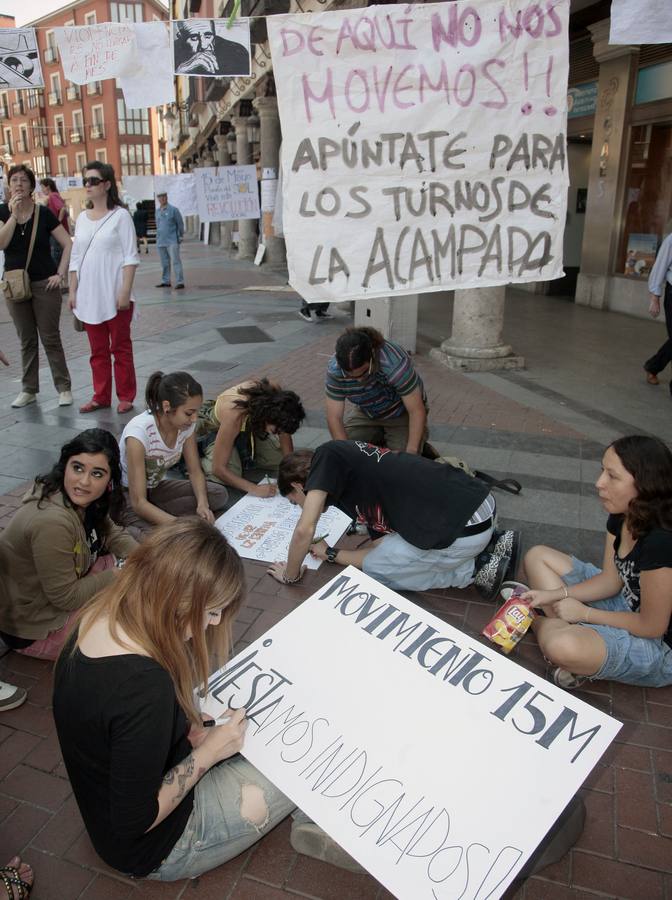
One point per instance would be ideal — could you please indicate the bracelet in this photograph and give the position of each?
(564, 587)
(286, 580)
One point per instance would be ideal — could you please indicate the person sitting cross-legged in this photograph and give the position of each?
(435, 520)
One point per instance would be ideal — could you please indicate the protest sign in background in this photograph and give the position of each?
(95, 52)
(423, 145)
(262, 528)
(19, 59)
(436, 762)
(181, 190)
(225, 193)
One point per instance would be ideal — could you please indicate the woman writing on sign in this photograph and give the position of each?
(162, 796)
(156, 440)
(614, 623)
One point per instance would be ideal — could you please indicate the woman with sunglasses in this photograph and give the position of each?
(102, 269)
(244, 434)
(40, 315)
(389, 405)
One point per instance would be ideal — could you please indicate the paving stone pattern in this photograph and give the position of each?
(542, 433)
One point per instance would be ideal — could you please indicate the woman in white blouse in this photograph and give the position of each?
(102, 269)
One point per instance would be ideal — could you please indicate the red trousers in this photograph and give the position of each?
(108, 339)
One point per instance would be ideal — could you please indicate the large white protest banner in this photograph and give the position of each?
(19, 59)
(138, 187)
(181, 190)
(643, 22)
(423, 145)
(225, 193)
(95, 52)
(150, 82)
(436, 762)
(261, 528)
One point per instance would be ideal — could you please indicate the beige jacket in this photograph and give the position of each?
(43, 560)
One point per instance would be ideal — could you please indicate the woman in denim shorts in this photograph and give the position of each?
(614, 623)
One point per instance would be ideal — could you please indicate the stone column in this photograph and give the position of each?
(607, 179)
(247, 233)
(476, 342)
(269, 126)
(224, 159)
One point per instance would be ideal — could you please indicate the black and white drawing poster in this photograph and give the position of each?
(209, 48)
(19, 59)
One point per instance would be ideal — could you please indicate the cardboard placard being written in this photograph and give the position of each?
(436, 762)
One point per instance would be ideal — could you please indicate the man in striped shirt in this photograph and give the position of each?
(378, 378)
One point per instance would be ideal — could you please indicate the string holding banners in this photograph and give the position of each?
(262, 528)
(226, 193)
(379, 721)
(94, 52)
(211, 48)
(20, 65)
(423, 145)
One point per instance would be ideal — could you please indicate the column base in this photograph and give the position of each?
(247, 248)
(467, 359)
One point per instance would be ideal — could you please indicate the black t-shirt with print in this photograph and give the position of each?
(652, 550)
(42, 264)
(426, 503)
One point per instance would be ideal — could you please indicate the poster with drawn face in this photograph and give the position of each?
(19, 59)
(210, 48)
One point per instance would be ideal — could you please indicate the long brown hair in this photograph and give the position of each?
(649, 461)
(169, 582)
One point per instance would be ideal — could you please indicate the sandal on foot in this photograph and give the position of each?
(93, 406)
(10, 876)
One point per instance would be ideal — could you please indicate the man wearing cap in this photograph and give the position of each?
(169, 233)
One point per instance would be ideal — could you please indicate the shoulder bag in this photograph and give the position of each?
(16, 283)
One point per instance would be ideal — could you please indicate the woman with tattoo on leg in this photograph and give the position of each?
(162, 796)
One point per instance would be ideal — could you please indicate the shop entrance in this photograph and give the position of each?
(578, 162)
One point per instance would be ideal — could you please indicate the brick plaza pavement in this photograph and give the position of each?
(546, 426)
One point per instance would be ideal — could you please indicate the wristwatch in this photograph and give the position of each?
(331, 554)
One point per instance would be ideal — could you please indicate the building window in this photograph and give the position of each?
(40, 167)
(9, 141)
(62, 165)
(132, 121)
(101, 156)
(126, 12)
(135, 159)
(90, 18)
(59, 131)
(648, 199)
(80, 161)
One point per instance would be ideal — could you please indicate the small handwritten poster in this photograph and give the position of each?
(438, 763)
(261, 528)
(225, 193)
(95, 52)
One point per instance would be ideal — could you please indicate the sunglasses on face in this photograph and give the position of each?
(92, 181)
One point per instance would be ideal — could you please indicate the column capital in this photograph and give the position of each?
(602, 49)
(239, 123)
(266, 106)
(221, 141)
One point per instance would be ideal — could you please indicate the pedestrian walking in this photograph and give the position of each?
(660, 285)
(141, 221)
(169, 234)
(102, 269)
(34, 300)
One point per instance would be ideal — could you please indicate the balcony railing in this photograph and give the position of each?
(75, 137)
(51, 55)
(73, 92)
(17, 109)
(54, 99)
(97, 132)
(58, 139)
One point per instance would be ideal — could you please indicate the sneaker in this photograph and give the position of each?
(492, 566)
(65, 398)
(508, 587)
(179, 287)
(323, 314)
(163, 285)
(566, 679)
(309, 839)
(23, 399)
(306, 315)
(10, 696)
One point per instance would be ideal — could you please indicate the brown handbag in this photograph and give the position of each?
(16, 282)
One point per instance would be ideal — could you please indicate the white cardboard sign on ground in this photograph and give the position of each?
(438, 763)
(262, 527)
(423, 145)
